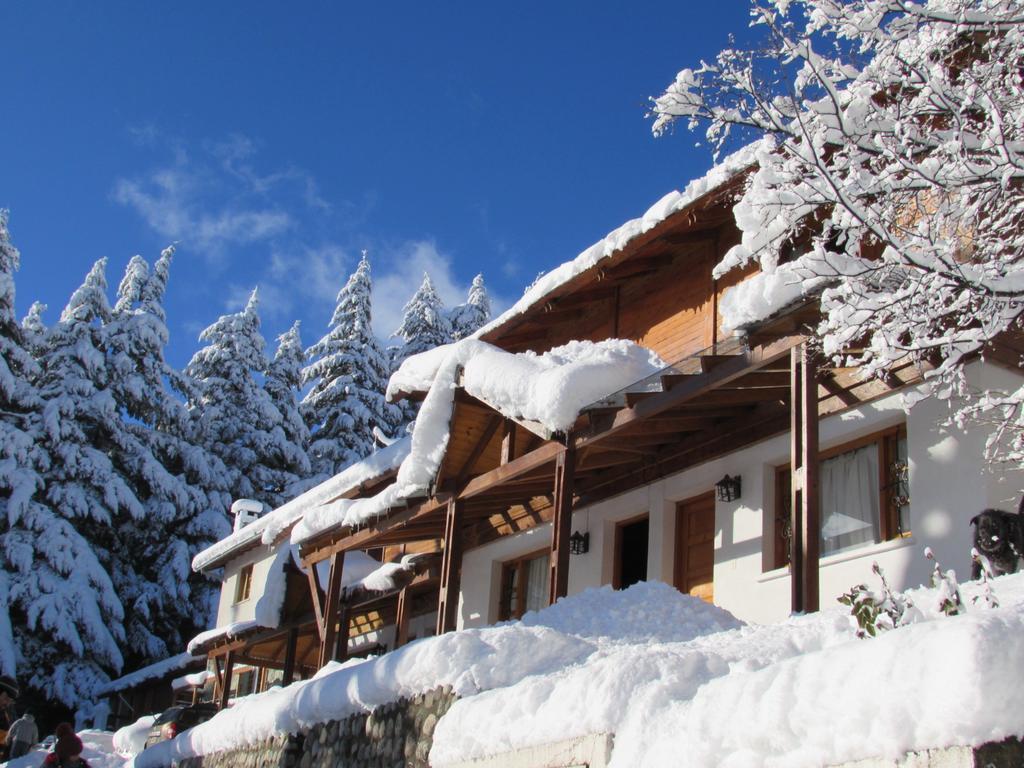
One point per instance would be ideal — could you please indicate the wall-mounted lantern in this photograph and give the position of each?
(728, 488)
(579, 543)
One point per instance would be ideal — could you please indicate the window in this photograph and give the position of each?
(863, 495)
(524, 585)
(244, 584)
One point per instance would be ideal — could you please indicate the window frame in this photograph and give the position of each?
(243, 584)
(512, 604)
(889, 523)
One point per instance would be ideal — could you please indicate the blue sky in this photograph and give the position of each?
(272, 142)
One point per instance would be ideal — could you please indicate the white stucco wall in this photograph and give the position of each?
(950, 481)
(229, 611)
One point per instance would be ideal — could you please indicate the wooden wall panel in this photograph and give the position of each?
(671, 310)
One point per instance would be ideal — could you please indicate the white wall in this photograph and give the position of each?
(229, 611)
(950, 481)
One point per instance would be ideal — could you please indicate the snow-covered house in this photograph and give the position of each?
(632, 417)
(151, 689)
(270, 619)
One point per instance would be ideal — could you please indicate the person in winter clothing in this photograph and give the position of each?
(8, 693)
(67, 753)
(23, 734)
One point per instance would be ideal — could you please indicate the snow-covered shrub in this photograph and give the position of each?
(877, 611)
(949, 600)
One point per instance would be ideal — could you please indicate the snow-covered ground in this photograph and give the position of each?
(681, 683)
(97, 749)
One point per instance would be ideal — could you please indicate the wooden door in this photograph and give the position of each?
(695, 546)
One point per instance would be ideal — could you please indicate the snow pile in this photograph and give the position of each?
(550, 389)
(269, 527)
(131, 739)
(471, 661)
(152, 672)
(679, 682)
(804, 692)
(618, 238)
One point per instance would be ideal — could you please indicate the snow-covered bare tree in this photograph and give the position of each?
(348, 373)
(282, 385)
(466, 318)
(893, 164)
(236, 416)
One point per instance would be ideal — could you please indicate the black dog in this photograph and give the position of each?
(999, 536)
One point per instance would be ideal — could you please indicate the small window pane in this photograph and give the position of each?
(849, 500)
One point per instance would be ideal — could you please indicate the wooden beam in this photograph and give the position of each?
(341, 643)
(492, 426)
(508, 442)
(831, 386)
(225, 691)
(733, 368)
(515, 468)
(451, 567)
(561, 528)
(218, 671)
(332, 603)
(805, 523)
(289, 656)
(402, 618)
(315, 590)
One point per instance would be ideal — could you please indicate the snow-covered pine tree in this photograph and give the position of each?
(282, 385)
(34, 329)
(424, 323)
(73, 616)
(348, 373)
(467, 318)
(167, 603)
(235, 415)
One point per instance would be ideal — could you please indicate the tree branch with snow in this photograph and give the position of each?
(894, 174)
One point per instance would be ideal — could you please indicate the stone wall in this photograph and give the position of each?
(395, 735)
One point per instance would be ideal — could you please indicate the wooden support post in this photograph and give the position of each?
(219, 672)
(561, 525)
(289, 656)
(451, 567)
(402, 618)
(331, 603)
(225, 691)
(315, 595)
(508, 442)
(341, 644)
(805, 519)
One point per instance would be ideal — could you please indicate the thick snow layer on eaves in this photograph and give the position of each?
(759, 297)
(152, 672)
(550, 389)
(618, 238)
(269, 527)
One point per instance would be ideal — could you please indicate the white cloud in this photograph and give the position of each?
(397, 275)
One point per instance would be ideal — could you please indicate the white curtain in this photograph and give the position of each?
(849, 500)
(537, 574)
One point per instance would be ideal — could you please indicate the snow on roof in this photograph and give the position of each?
(701, 689)
(759, 297)
(195, 680)
(267, 529)
(152, 672)
(550, 389)
(358, 565)
(618, 238)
